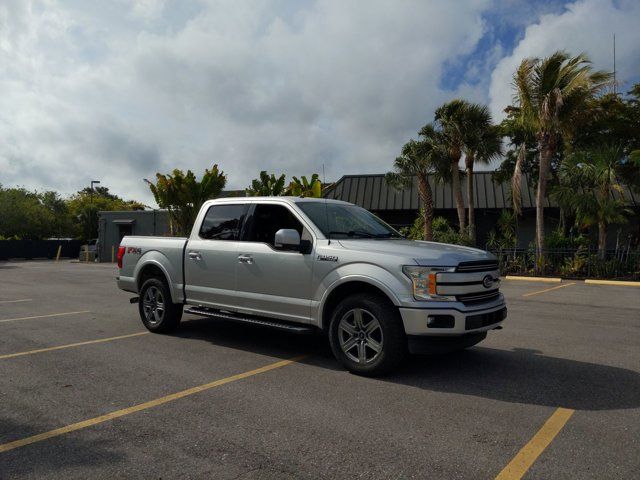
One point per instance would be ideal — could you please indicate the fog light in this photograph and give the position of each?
(440, 321)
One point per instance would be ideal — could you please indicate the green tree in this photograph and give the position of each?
(23, 215)
(482, 143)
(614, 117)
(62, 224)
(552, 97)
(587, 182)
(420, 159)
(302, 187)
(450, 117)
(84, 205)
(183, 195)
(267, 185)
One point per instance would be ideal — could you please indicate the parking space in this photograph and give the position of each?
(276, 405)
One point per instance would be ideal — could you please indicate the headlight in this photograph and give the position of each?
(424, 282)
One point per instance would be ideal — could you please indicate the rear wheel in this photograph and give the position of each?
(157, 312)
(366, 335)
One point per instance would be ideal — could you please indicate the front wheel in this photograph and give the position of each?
(157, 312)
(366, 335)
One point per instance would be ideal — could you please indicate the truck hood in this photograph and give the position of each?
(424, 253)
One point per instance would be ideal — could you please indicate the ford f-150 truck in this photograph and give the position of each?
(305, 264)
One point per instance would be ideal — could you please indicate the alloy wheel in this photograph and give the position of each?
(153, 304)
(360, 336)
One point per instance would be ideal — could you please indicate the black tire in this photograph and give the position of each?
(153, 294)
(385, 355)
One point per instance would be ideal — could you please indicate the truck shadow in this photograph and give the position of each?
(515, 376)
(524, 376)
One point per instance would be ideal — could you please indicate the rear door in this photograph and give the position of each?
(271, 281)
(211, 257)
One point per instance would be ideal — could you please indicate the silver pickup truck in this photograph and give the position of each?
(305, 265)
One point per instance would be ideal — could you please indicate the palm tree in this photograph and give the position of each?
(451, 119)
(302, 187)
(420, 159)
(482, 144)
(587, 181)
(183, 195)
(266, 186)
(551, 95)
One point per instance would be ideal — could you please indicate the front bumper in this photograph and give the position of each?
(432, 321)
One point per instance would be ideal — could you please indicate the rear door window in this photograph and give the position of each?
(223, 222)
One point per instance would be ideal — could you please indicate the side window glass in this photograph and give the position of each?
(268, 219)
(222, 222)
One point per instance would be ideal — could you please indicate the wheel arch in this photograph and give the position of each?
(352, 286)
(153, 269)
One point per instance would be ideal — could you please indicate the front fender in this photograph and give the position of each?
(368, 273)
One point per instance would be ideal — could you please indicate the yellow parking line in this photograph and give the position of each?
(525, 458)
(534, 279)
(16, 301)
(70, 345)
(43, 316)
(144, 406)
(548, 289)
(617, 283)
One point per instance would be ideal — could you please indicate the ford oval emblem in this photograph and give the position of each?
(487, 281)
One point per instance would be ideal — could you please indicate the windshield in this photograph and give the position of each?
(346, 221)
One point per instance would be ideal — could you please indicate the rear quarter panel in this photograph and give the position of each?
(164, 253)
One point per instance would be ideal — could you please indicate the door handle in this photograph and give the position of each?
(245, 259)
(195, 256)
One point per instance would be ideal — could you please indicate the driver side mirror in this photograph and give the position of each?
(287, 239)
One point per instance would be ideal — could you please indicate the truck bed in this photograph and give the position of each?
(167, 253)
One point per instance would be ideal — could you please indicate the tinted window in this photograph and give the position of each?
(268, 219)
(222, 222)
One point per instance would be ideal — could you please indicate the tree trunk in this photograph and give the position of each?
(546, 151)
(457, 192)
(602, 240)
(426, 196)
(470, 199)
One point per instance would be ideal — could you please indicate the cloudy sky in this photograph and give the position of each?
(118, 90)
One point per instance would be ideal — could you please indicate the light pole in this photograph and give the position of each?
(90, 216)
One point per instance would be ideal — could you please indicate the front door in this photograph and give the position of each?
(211, 257)
(270, 281)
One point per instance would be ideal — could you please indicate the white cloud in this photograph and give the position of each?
(586, 26)
(97, 90)
(117, 91)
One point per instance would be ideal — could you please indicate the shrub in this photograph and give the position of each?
(442, 232)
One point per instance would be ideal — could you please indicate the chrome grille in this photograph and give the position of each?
(473, 298)
(469, 283)
(477, 266)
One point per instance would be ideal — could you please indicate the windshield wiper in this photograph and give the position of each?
(354, 233)
(388, 235)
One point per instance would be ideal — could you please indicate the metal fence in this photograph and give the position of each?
(31, 249)
(577, 263)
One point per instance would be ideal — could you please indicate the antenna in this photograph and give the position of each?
(614, 65)
(326, 207)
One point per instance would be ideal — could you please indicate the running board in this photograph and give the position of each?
(254, 320)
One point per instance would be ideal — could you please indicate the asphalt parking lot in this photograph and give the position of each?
(277, 405)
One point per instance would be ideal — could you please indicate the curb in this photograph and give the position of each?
(534, 279)
(619, 283)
